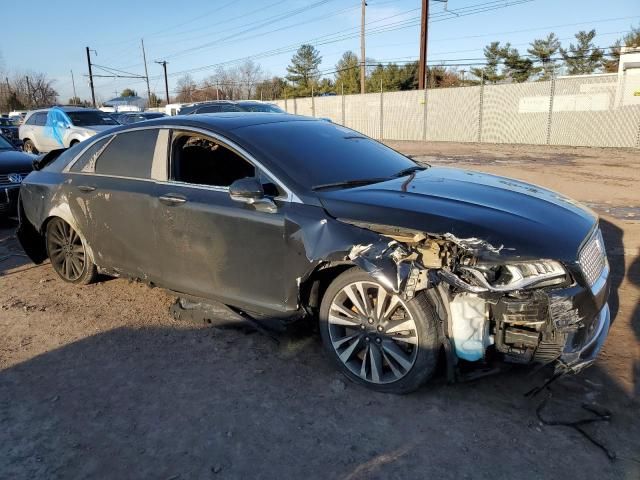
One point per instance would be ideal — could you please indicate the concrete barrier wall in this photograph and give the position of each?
(593, 110)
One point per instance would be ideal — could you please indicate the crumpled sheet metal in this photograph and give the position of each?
(326, 240)
(386, 261)
(474, 245)
(57, 122)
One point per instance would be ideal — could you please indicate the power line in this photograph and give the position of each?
(488, 6)
(261, 23)
(449, 14)
(282, 14)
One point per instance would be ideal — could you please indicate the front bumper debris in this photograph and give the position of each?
(584, 356)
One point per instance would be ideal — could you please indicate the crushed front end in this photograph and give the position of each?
(496, 303)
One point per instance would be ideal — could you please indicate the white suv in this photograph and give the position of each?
(61, 127)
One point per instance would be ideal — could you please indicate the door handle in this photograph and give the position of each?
(86, 188)
(172, 200)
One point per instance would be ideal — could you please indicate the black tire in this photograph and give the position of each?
(73, 142)
(29, 147)
(68, 253)
(420, 313)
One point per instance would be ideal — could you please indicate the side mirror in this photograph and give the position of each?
(249, 190)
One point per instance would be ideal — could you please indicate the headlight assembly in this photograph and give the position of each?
(517, 275)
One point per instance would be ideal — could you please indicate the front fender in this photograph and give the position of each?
(316, 239)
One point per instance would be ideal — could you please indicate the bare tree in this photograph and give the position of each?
(249, 73)
(228, 81)
(186, 87)
(33, 90)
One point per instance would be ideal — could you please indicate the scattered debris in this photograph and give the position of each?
(598, 414)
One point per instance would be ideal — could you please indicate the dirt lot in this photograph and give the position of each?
(99, 381)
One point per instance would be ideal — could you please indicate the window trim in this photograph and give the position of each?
(218, 188)
(70, 165)
(288, 195)
(76, 159)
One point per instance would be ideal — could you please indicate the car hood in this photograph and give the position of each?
(526, 220)
(12, 161)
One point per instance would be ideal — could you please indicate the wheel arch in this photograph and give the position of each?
(64, 212)
(314, 286)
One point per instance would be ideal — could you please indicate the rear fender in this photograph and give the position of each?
(32, 241)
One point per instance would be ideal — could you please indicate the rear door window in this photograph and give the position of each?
(87, 161)
(39, 119)
(129, 154)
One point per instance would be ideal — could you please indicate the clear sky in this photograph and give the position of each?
(191, 34)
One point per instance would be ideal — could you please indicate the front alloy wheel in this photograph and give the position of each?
(68, 254)
(377, 338)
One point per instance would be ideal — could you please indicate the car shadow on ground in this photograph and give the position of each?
(613, 237)
(11, 255)
(188, 402)
(194, 401)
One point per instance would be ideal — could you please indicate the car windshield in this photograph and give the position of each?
(4, 144)
(219, 108)
(89, 118)
(261, 107)
(317, 153)
(8, 122)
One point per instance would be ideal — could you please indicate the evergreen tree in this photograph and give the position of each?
(631, 39)
(543, 50)
(153, 101)
(348, 73)
(304, 68)
(584, 57)
(516, 67)
(494, 54)
(325, 85)
(127, 92)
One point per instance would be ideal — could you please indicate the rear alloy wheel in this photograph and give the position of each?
(68, 254)
(29, 147)
(376, 338)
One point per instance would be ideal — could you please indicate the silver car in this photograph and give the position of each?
(61, 127)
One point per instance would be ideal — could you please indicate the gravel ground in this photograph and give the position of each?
(100, 382)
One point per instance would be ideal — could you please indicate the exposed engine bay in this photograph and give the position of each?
(492, 304)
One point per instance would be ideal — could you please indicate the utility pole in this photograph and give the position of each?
(424, 35)
(9, 103)
(93, 93)
(73, 82)
(31, 102)
(166, 82)
(362, 50)
(146, 74)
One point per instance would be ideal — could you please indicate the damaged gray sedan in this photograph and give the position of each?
(286, 217)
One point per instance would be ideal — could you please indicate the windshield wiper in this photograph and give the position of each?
(409, 171)
(348, 183)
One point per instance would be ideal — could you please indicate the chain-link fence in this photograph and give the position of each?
(586, 110)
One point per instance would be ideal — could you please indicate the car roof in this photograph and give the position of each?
(217, 122)
(68, 109)
(210, 102)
